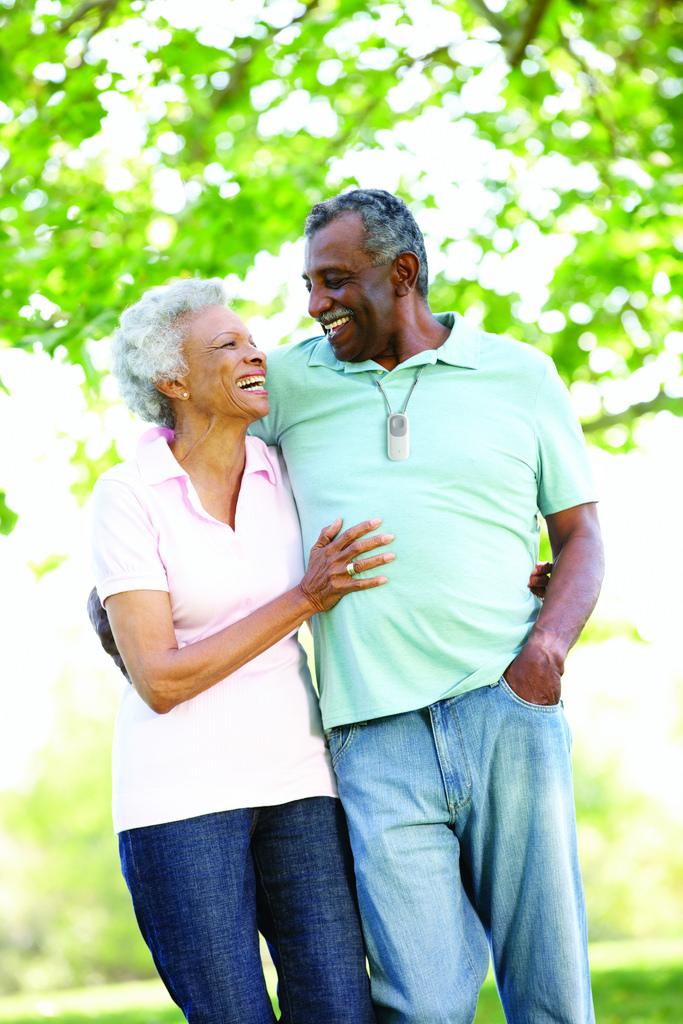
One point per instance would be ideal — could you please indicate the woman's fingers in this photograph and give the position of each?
(366, 584)
(336, 559)
(328, 533)
(353, 533)
(354, 542)
(359, 547)
(364, 564)
(344, 548)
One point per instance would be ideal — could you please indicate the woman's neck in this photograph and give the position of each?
(213, 457)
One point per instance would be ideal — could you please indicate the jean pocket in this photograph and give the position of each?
(339, 739)
(543, 708)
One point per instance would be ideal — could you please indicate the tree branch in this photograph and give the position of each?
(105, 7)
(239, 71)
(615, 135)
(514, 40)
(530, 22)
(658, 404)
(502, 27)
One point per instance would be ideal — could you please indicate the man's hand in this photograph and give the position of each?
(536, 674)
(540, 578)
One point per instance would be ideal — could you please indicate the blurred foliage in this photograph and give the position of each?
(146, 139)
(8, 517)
(630, 854)
(639, 984)
(67, 916)
(123, 1003)
(47, 565)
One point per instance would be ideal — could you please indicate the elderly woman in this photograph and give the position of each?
(223, 794)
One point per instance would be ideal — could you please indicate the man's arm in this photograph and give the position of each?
(578, 567)
(100, 623)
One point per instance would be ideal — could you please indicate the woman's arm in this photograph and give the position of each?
(165, 675)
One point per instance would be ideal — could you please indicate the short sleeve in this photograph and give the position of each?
(564, 474)
(125, 548)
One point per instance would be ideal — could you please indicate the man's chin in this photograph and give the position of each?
(346, 347)
(345, 353)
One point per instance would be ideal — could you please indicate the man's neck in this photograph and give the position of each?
(422, 331)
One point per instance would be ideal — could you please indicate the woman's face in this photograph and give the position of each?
(227, 372)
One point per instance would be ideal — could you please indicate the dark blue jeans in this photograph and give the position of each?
(204, 887)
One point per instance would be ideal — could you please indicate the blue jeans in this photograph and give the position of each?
(204, 887)
(462, 824)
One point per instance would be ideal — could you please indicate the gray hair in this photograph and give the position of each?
(390, 227)
(147, 348)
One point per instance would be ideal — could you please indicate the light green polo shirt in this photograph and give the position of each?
(493, 441)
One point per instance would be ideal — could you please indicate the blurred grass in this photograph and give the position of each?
(633, 983)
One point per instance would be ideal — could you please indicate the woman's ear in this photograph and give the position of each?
(174, 389)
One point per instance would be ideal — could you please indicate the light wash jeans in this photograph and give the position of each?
(462, 824)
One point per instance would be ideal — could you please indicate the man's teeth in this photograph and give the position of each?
(334, 326)
(251, 383)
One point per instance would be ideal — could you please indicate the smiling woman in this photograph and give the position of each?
(222, 778)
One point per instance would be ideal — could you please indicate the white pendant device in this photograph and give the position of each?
(398, 436)
(398, 428)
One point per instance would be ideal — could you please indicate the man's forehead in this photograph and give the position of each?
(336, 246)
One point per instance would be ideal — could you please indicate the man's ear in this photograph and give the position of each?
(407, 267)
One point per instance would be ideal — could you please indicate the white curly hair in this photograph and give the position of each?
(147, 347)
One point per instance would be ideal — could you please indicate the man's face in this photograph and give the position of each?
(354, 301)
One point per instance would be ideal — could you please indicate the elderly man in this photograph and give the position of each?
(440, 692)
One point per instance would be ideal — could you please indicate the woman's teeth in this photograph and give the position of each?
(251, 383)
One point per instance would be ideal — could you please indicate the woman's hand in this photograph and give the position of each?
(327, 580)
(166, 675)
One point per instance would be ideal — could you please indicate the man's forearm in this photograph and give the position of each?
(573, 590)
(536, 673)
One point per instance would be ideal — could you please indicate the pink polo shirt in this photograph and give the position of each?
(255, 738)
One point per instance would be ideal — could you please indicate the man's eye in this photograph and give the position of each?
(334, 283)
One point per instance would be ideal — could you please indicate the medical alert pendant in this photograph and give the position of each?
(398, 429)
(398, 436)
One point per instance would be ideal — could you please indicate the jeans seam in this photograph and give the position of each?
(149, 918)
(466, 799)
(343, 747)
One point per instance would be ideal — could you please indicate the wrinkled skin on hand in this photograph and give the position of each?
(535, 675)
(326, 579)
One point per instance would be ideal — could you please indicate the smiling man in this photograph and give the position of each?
(441, 694)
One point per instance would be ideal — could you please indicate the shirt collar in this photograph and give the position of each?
(157, 462)
(461, 348)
